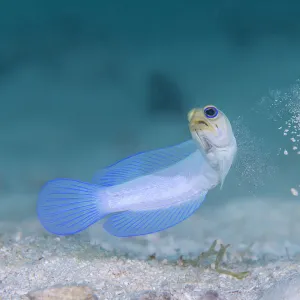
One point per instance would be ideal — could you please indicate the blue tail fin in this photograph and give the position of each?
(68, 206)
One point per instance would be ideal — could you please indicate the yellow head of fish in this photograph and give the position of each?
(212, 132)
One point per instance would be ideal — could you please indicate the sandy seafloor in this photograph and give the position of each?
(32, 259)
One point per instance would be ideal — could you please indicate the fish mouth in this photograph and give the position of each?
(200, 122)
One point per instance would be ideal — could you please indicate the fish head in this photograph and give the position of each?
(212, 132)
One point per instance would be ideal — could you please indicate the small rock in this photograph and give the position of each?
(210, 295)
(152, 295)
(63, 293)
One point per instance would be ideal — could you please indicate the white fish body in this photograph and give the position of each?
(186, 180)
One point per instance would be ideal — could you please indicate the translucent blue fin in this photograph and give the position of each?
(134, 223)
(68, 206)
(143, 163)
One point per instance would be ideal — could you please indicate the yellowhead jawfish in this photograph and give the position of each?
(149, 191)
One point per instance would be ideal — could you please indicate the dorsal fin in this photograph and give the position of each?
(143, 163)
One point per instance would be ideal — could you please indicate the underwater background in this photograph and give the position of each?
(83, 84)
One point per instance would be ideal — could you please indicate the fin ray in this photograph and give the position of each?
(68, 206)
(143, 163)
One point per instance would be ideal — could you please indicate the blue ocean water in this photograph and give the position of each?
(83, 85)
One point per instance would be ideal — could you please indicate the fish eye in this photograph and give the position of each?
(211, 112)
